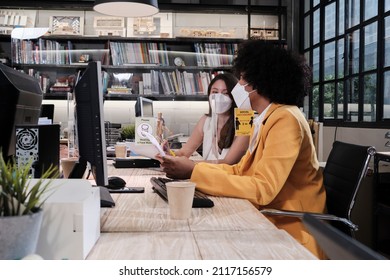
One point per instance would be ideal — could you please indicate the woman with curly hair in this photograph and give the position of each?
(280, 168)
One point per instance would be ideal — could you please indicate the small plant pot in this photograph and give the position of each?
(19, 235)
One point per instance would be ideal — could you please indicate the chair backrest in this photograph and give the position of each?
(344, 171)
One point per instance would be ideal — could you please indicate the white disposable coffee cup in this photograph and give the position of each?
(180, 198)
(120, 150)
(67, 165)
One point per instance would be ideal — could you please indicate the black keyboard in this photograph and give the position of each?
(135, 163)
(200, 199)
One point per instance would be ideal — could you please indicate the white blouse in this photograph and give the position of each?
(208, 139)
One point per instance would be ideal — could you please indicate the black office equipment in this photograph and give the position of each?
(143, 107)
(135, 163)
(20, 104)
(128, 190)
(47, 111)
(39, 144)
(200, 199)
(115, 183)
(105, 198)
(336, 244)
(90, 132)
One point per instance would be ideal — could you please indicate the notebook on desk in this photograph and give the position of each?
(200, 199)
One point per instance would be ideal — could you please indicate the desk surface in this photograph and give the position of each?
(139, 227)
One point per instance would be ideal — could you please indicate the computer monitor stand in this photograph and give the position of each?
(106, 198)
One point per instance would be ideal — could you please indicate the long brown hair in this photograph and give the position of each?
(227, 131)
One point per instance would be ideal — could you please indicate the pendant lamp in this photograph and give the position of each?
(123, 8)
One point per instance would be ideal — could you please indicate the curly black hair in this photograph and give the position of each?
(276, 73)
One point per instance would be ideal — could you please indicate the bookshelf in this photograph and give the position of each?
(161, 68)
(174, 61)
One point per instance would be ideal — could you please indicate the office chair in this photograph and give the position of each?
(344, 171)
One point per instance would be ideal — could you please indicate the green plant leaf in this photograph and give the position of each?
(17, 196)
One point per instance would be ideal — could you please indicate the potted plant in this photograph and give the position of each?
(128, 132)
(21, 208)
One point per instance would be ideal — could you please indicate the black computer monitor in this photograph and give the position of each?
(20, 104)
(89, 118)
(47, 111)
(144, 107)
(336, 244)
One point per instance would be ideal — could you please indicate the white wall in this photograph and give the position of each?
(360, 136)
(180, 116)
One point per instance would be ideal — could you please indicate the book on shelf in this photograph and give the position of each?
(138, 53)
(154, 82)
(146, 84)
(54, 89)
(119, 90)
(215, 54)
(164, 83)
(42, 51)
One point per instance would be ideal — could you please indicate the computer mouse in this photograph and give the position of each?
(116, 183)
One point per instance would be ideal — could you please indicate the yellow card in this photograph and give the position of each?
(243, 121)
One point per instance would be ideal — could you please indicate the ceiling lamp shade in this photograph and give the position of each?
(137, 8)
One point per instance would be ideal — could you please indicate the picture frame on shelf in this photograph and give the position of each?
(157, 26)
(264, 34)
(109, 26)
(9, 19)
(67, 25)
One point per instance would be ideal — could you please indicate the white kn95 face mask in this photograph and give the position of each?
(241, 97)
(222, 103)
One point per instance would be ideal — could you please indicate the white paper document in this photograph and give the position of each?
(147, 150)
(154, 142)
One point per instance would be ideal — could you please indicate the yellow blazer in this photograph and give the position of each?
(282, 172)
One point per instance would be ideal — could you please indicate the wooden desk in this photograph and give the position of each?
(139, 227)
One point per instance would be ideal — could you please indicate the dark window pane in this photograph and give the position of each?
(353, 99)
(330, 21)
(340, 100)
(307, 32)
(387, 41)
(316, 65)
(329, 96)
(353, 50)
(386, 95)
(353, 12)
(307, 5)
(315, 102)
(340, 58)
(329, 61)
(341, 17)
(369, 105)
(370, 9)
(316, 27)
(370, 46)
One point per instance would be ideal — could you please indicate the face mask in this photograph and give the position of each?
(241, 97)
(221, 102)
